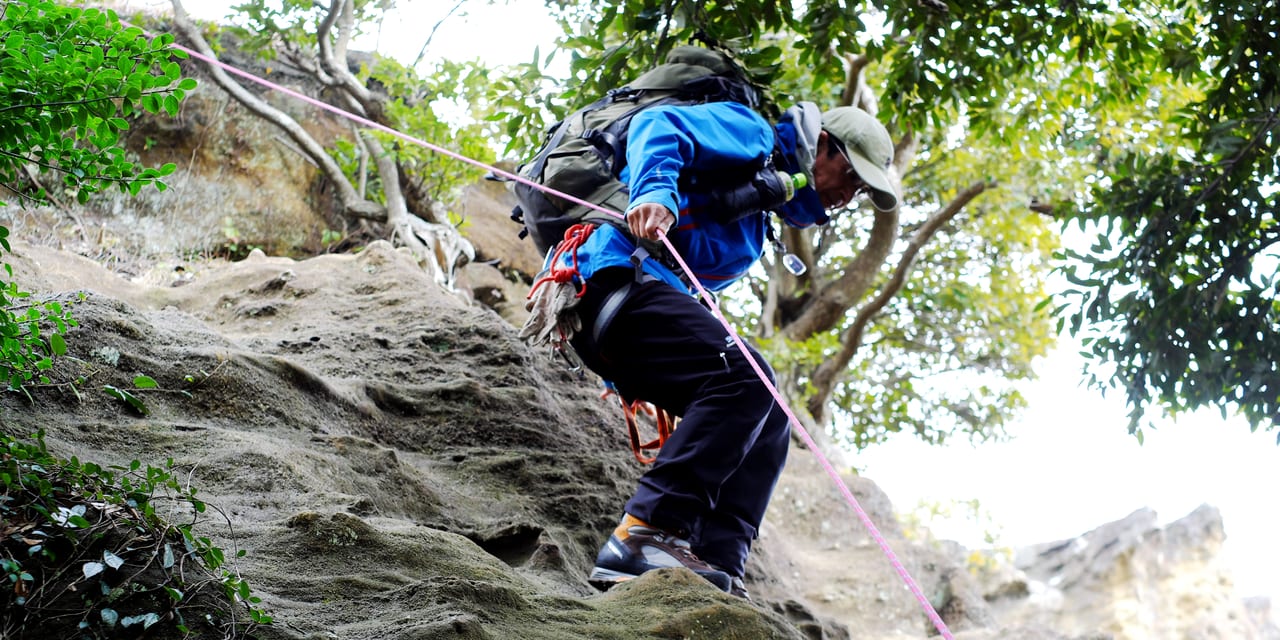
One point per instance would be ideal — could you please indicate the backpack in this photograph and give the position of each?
(584, 153)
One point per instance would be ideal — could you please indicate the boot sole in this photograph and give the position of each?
(605, 579)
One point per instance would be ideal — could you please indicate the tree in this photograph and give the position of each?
(405, 186)
(959, 267)
(1177, 299)
(70, 79)
(1007, 116)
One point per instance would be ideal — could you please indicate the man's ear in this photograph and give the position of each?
(825, 148)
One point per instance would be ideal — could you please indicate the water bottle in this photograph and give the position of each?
(766, 190)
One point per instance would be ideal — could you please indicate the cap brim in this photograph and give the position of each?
(883, 195)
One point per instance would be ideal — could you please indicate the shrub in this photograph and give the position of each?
(86, 553)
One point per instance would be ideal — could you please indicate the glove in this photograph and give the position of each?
(552, 319)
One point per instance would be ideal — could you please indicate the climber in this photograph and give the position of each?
(631, 318)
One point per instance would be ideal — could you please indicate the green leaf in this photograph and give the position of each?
(126, 397)
(171, 105)
(144, 382)
(91, 569)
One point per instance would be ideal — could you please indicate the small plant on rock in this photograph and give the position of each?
(86, 553)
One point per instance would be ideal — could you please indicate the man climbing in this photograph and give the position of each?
(637, 325)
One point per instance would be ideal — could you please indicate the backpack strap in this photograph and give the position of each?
(612, 140)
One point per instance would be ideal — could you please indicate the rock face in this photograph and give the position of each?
(397, 465)
(1130, 579)
(394, 461)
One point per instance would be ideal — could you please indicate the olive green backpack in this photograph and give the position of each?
(584, 153)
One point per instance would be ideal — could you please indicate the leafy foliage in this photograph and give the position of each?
(1176, 299)
(445, 105)
(1151, 124)
(90, 552)
(69, 80)
(32, 334)
(946, 354)
(1154, 122)
(417, 106)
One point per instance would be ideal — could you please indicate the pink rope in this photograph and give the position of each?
(711, 304)
(817, 453)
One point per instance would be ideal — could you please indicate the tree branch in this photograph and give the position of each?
(431, 36)
(830, 303)
(353, 204)
(329, 58)
(438, 248)
(824, 377)
(854, 93)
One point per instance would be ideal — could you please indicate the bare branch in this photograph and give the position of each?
(824, 377)
(430, 36)
(438, 248)
(1044, 208)
(825, 309)
(830, 303)
(365, 103)
(855, 91)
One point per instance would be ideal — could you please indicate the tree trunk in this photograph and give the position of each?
(826, 376)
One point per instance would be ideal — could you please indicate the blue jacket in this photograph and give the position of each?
(666, 143)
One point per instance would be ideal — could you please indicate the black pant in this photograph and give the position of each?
(714, 477)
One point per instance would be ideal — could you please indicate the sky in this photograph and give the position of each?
(1070, 465)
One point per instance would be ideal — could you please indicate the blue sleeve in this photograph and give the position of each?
(663, 142)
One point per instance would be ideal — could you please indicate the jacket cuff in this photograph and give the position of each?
(665, 199)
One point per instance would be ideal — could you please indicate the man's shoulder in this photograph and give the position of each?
(724, 111)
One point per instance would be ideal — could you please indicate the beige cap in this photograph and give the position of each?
(870, 150)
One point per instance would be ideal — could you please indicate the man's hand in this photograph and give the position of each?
(647, 219)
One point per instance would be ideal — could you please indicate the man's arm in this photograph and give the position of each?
(664, 142)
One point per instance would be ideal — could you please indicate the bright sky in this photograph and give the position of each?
(1070, 467)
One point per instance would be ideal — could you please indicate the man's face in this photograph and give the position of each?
(834, 179)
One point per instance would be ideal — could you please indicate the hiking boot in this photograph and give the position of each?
(737, 587)
(636, 547)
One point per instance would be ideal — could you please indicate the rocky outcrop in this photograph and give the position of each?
(1132, 580)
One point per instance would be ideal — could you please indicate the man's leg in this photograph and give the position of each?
(726, 534)
(668, 349)
(665, 348)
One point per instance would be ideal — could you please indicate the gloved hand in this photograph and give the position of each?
(552, 319)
